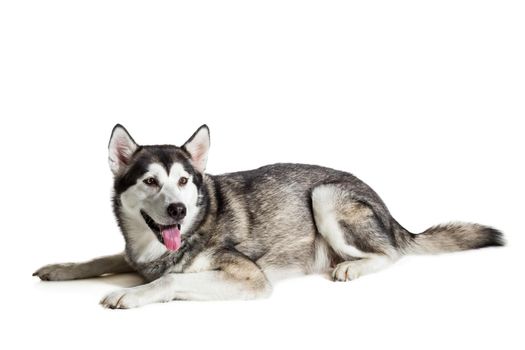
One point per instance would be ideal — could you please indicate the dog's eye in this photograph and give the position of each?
(183, 181)
(151, 181)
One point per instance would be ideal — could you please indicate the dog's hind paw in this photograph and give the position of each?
(121, 299)
(346, 271)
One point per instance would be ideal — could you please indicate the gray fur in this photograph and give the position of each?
(112, 264)
(282, 216)
(453, 237)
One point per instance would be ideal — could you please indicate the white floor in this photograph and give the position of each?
(464, 300)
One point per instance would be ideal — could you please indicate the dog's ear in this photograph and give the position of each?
(121, 148)
(198, 146)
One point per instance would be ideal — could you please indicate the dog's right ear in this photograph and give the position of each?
(121, 148)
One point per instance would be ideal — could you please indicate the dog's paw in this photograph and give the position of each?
(56, 272)
(346, 271)
(121, 299)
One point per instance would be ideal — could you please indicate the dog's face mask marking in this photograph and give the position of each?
(158, 186)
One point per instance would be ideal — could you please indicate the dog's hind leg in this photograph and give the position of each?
(112, 264)
(353, 230)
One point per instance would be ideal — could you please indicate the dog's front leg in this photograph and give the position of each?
(235, 280)
(93, 268)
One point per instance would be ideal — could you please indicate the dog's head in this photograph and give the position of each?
(157, 188)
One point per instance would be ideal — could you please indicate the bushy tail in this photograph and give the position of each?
(451, 237)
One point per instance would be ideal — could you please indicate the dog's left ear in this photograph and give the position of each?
(198, 146)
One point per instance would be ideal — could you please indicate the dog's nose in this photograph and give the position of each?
(177, 211)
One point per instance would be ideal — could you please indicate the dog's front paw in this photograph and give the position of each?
(56, 272)
(121, 299)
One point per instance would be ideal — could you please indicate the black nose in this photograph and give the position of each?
(177, 211)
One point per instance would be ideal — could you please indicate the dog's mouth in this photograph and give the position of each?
(169, 235)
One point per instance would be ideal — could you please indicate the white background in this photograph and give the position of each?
(423, 100)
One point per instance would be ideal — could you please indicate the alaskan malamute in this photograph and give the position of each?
(195, 236)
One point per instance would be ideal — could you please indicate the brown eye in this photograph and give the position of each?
(151, 181)
(183, 181)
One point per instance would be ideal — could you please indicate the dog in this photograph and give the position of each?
(194, 236)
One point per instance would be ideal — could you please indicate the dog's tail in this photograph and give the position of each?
(450, 237)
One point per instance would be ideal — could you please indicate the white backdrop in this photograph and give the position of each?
(423, 100)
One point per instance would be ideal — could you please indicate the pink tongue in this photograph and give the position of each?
(171, 237)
